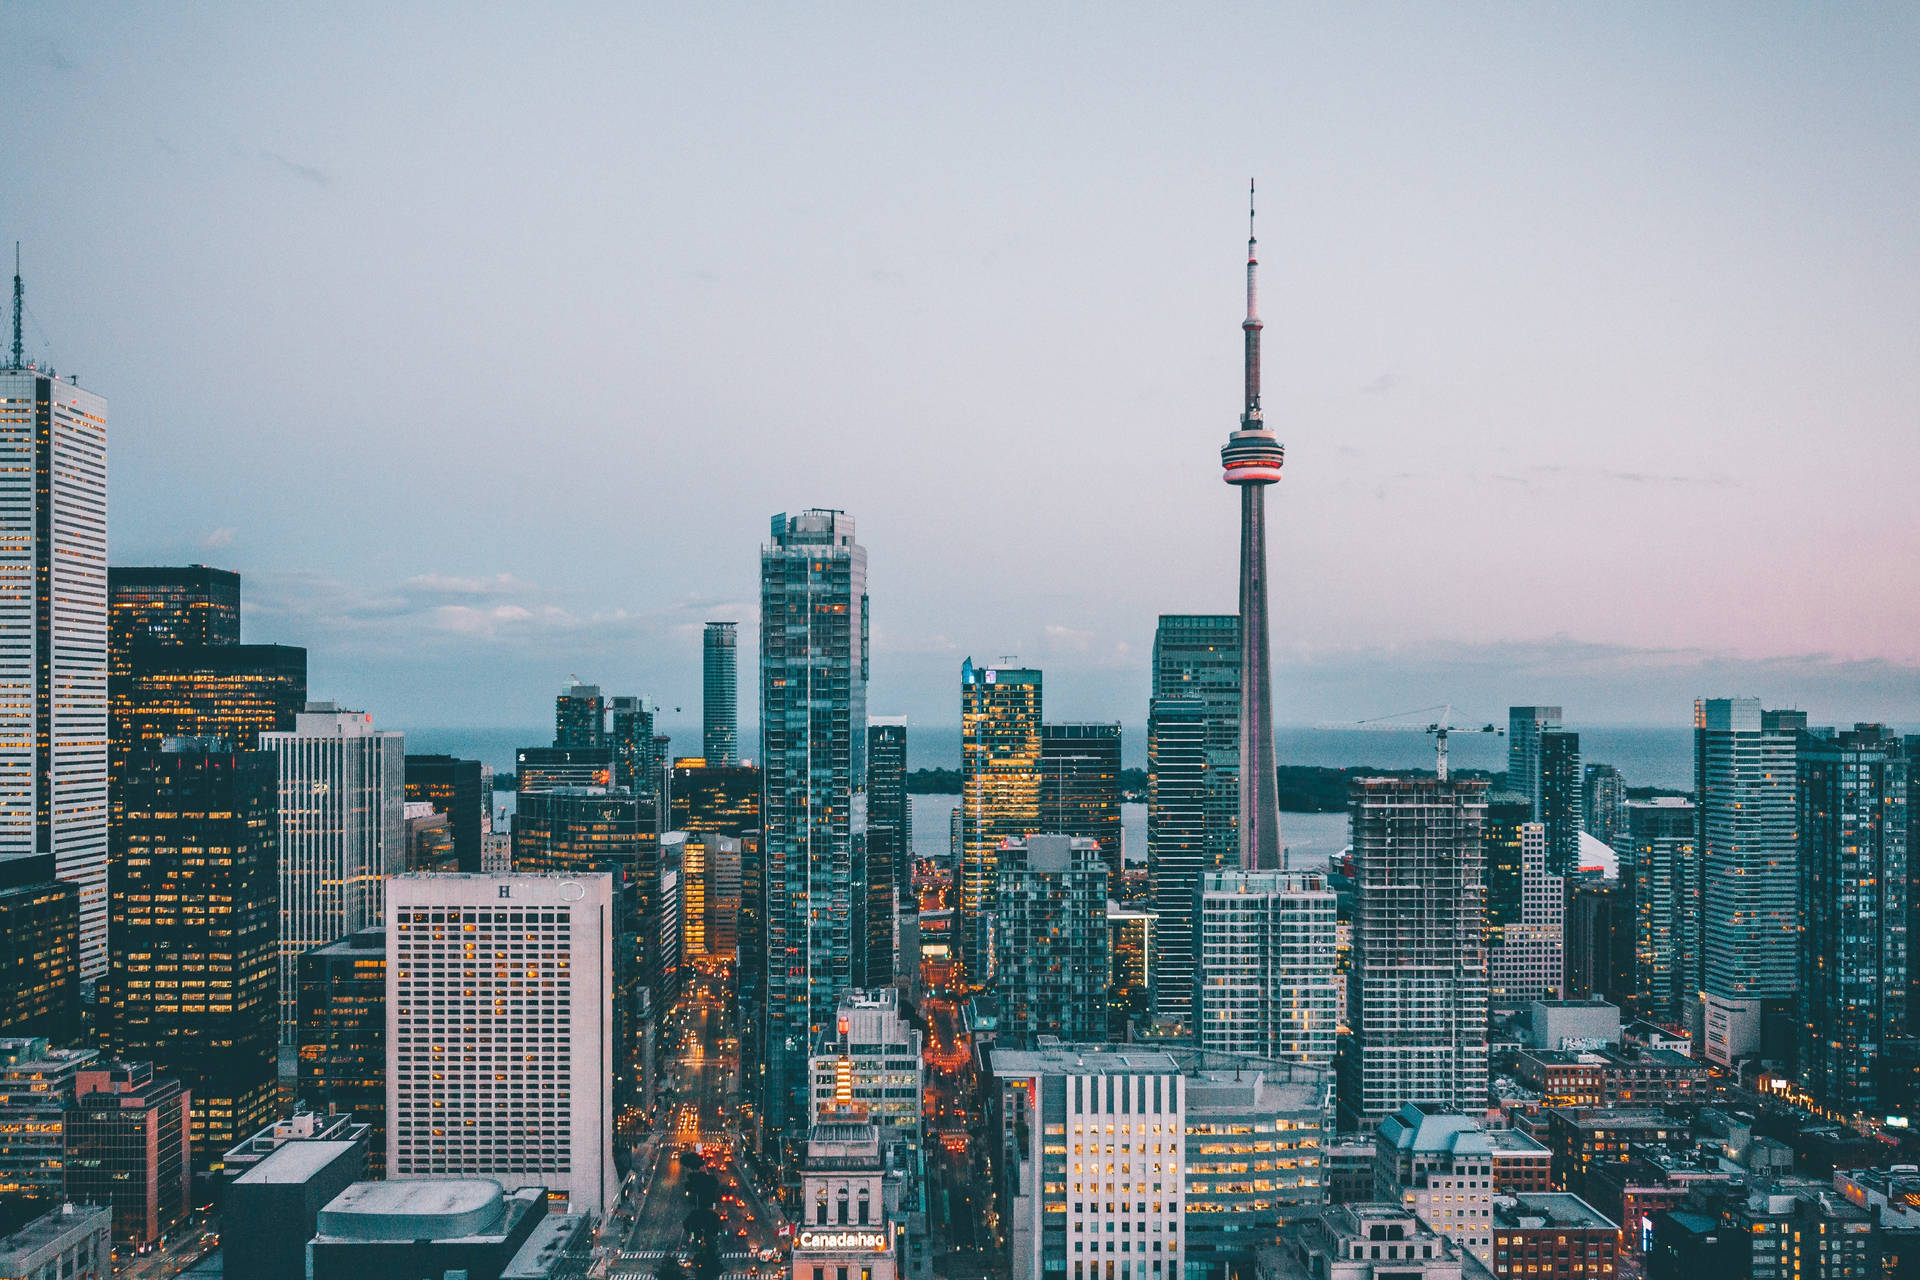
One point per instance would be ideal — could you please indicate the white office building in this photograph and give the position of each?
(342, 832)
(870, 1068)
(53, 639)
(499, 1032)
(1528, 960)
(1266, 969)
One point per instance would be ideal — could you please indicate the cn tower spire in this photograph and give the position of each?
(1251, 325)
(1250, 462)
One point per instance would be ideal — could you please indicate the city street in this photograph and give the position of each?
(701, 1076)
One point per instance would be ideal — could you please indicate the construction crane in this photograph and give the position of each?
(1438, 729)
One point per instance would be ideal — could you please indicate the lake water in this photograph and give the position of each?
(1311, 839)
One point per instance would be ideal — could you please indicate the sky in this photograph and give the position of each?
(484, 340)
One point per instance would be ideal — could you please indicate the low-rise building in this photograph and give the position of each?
(1584, 1140)
(1552, 1236)
(844, 1230)
(1520, 1162)
(1572, 1024)
(438, 1226)
(1437, 1164)
(129, 1146)
(1346, 1164)
(272, 1209)
(72, 1242)
(36, 1088)
(1366, 1242)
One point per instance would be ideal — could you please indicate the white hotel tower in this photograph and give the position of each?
(500, 1032)
(53, 634)
(343, 787)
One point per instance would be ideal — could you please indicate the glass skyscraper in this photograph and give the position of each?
(1660, 887)
(889, 812)
(999, 795)
(1852, 819)
(813, 746)
(720, 694)
(1080, 788)
(1193, 785)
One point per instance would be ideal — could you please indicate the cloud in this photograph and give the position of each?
(1536, 476)
(438, 584)
(218, 539)
(1059, 639)
(305, 172)
(1381, 385)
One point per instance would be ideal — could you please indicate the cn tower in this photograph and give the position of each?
(1251, 461)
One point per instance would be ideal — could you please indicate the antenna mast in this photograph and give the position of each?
(19, 311)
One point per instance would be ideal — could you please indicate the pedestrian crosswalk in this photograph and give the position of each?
(654, 1255)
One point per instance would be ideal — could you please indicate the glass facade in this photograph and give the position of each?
(720, 693)
(1000, 712)
(455, 788)
(1080, 789)
(342, 1062)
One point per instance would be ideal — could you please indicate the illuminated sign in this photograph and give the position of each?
(874, 1240)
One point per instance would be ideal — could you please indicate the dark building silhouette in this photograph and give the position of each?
(545, 768)
(717, 799)
(39, 951)
(1080, 788)
(452, 786)
(577, 831)
(635, 764)
(127, 1147)
(173, 605)
(720, 694)
(889, 812)
(580, 717)
(193, 936)
(342, 1060)
(1563, 809)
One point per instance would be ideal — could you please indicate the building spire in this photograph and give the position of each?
(1251, 325)
(19, 310)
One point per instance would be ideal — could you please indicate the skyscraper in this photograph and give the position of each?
(1660, 891)
(580, 716)
(453, 787)
(191, 983)
(1177, 846)
(1050, 909)
(234, 692)
(1417, 977)
(1562, 809)
(1080, 788)
(1852, 819)
(1748, 856)
(1524, 727)
(39, 953)
(580, 831)
(723, 799)
(889, 812)
(999, 794)
(720, 694)
(170, 605)
(813, 710)
(635, 766)
(1605, 795)
(53, 658)
(342, 1063)
(342, 832)
(1504, 866)
(1199, 657)
(1265, 967)
(1250, 462)
(502, 1071)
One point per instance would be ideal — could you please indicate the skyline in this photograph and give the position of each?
(1617, 325)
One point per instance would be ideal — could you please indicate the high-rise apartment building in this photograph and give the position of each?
(1130, 981)
(1853, 953)
(192, 979)
(1660, 900)
(53, 660)
(504, 1070)
(1604, 792)
(342, 1063)
(634, 761)
(999, 795)
(455, 788)
(1563, 811)
(580, 716)
(1743, 766)
(1265, 967)
(1561, 799)
(1524, 727)
(581, 831)
(813, 711)
(1528, 962)
(1417, 973)
(342, 832)
(1504, 866)
(720, 693)
(1198, 656)
(889, 811)
(1050, 926)
(1080, 788)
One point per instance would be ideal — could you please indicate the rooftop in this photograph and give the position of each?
(1550, 1209)
(52, 1226)
(1513, 1142)
(415, 1209)
(551, 1238)
(1053, 1057)
(295, 1162)
(1421, 1128)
